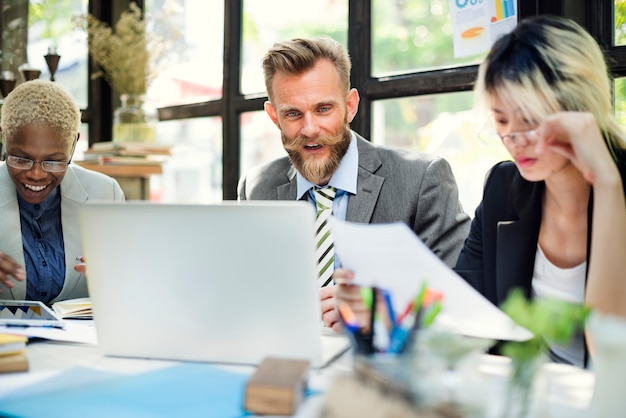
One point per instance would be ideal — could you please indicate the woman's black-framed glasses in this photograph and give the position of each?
(26, 164)
(520, 138)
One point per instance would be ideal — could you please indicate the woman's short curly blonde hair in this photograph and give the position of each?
(42, 103)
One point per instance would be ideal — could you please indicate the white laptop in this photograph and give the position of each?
(228, 283)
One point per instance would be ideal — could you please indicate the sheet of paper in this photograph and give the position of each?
(391, 256)
(75, 331)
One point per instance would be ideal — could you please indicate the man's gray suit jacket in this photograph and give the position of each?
(393, 186)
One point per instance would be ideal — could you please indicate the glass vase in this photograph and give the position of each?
(133, 121)
(520, 391)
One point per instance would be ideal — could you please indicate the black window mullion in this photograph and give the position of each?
(415, 84)
(191, 110)
(231, 130)
(99, 112)
(360, 46)
(599, 21)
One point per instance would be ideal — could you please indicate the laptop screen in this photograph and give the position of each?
(231, 282)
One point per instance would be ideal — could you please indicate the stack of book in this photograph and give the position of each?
(128, 153)
(73, 308)
(12, 353)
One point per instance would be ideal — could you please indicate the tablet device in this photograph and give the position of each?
(27, 313)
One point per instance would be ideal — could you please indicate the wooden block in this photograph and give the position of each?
(11, 363)
(277, 386)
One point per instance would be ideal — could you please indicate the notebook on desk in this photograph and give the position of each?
(228, 283)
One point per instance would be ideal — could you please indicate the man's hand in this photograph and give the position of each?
(330, 316)
(350, 294)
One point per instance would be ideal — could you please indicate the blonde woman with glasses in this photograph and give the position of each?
(40, 192)
(553, 220)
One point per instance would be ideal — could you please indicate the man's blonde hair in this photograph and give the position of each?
(301, 54)
(549, 64)
(41, 103)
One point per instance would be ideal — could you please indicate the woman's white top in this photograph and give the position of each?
(550, 281)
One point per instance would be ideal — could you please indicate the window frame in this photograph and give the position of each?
(595, 15)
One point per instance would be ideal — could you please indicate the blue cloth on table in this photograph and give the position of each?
(189, 389)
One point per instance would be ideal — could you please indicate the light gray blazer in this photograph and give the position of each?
(393, 186)
(78, 186)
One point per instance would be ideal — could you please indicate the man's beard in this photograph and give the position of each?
(318, 171)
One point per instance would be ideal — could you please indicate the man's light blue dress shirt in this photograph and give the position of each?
(344, 180)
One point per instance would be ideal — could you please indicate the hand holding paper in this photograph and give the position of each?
(391, 257)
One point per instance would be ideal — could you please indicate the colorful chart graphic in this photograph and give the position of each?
(504, 9)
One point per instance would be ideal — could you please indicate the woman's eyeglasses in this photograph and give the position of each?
(26, 164)
(520, 138)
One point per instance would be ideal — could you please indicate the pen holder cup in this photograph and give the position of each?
(449, 371)
(381, 385)
(394, 374)
(440, 370)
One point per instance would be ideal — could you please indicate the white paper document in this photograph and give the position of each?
(392, 257)
(75, 331)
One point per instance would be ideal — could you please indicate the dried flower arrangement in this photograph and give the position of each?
(128, 55)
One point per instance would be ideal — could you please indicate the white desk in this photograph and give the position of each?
(49, 358)
(565, 391)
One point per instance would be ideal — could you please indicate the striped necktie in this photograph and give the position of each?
(325, 252)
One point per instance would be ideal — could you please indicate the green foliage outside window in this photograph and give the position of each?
(620, 39)
(620, 22)
(55, 17)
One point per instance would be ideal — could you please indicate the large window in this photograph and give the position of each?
(191, 70)
(32, 30)
(49, 32)
(410, 36)
(262, 27)
(443, 125)
(414, 93)
(618, 43)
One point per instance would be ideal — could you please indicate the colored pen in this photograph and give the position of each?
(370, 338)
(432, 308)
(406, 312)
(347, 316)
(359, 341)
(412, 328)
(390, 311)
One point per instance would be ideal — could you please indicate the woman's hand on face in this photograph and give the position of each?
(10, 270)
(576, 136)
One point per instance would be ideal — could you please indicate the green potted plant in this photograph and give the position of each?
(549, 320)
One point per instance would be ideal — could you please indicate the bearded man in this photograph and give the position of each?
(312, 104)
